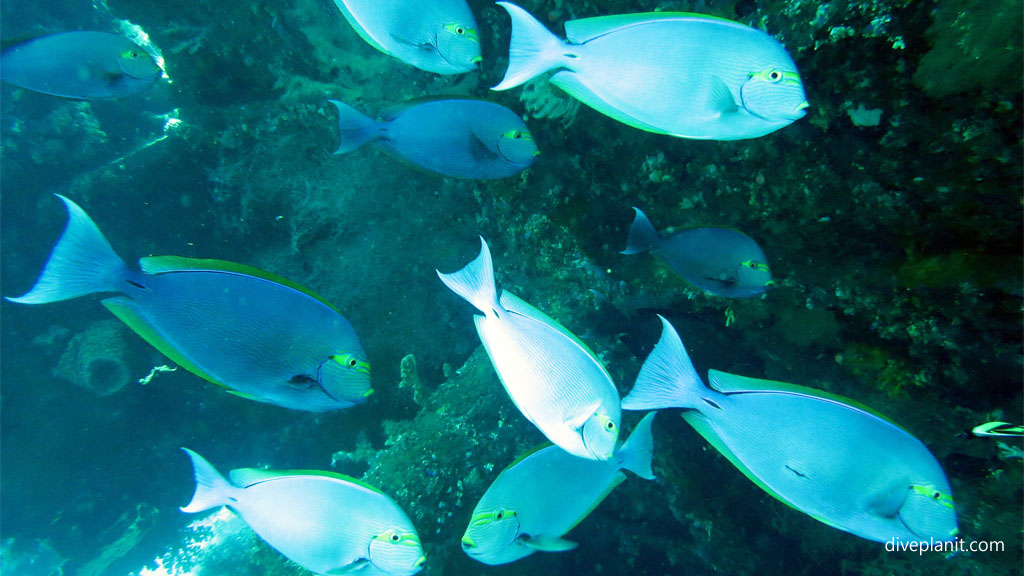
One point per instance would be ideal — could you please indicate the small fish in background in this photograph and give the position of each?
(544, 494)
(722, 261)
(997, 429)
(81, 65)
(673, 73)
(261, 336)
(437, 36)
(470, 139)
(552, 377)
(325, 522)
(824, 455)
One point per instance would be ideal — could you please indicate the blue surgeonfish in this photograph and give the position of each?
(722, 261)
(259, 335)
(437, 36)
(545, 494)
(674, 73)
(553, 378)
(470, 139)
(83, 65)
(325, 522)
(827, 456)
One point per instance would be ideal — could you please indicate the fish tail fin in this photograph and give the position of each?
(354, 128)
(82, 262)
(635, 453)
(667, 379)
(212, 489)
(533, 49)
(475, 282)
(642, 235)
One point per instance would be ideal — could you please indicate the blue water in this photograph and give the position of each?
(896, 249)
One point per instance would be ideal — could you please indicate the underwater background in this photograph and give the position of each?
(891, 216)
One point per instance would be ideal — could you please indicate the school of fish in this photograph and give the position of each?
(268, 339)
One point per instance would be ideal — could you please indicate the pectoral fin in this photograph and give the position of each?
(352, 568)
(578, 419)
(421, 46)
(548, 543)
(721, 97)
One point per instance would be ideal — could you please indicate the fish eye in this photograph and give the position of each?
(395, 537)
(775, 75)
(610, 425)
(353, 363)
(460, 30)
(936, 495)
(499, 516)
(517, 135)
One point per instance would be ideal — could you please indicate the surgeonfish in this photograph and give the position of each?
(437, 36)
(551, 376)
(325, 522)
(545, 494)
(674, 73)
(722, 261)
(82, 65)
(470, 139)
(259, 335)
(998, 429)
(827, 456)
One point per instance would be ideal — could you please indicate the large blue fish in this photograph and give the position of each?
(470, 139)
(722, 261)
(83, 65)
(325, 522)
(672, 73)
(437, 36)
(827, 456)
(263, 337)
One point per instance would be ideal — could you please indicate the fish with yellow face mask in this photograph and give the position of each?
(325, 522)
(824, 455)
(675, 73)
(261, 336)
(437, 36)
(555, 380)
(544, 494)
(84, 65)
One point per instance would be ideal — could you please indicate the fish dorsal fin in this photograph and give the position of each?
(127, 312)
(170, 264)
(586, 29)
(246, 477)
(529, 453)
(394, 111)
(573, 85)
(548, 543)
(358, 27)
(733, 384)
(517, 305)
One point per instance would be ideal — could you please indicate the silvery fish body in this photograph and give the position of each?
(837, 461)
(722, 261)
(437, 36)
(544, 494)
(261, 336)
(325, 522)
(680, 74)
(553, 378)
(83, 65)
(462, 138)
